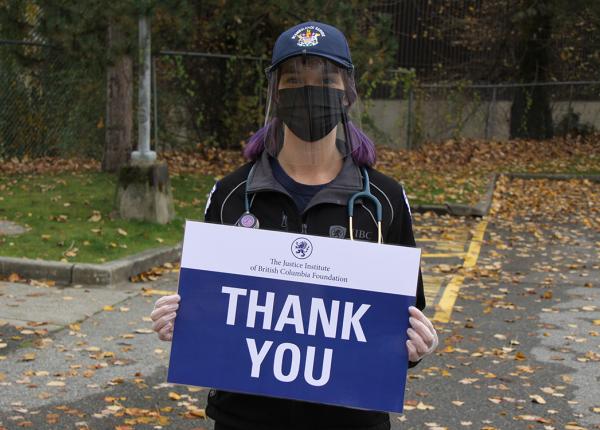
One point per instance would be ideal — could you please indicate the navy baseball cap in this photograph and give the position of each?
(312, 38)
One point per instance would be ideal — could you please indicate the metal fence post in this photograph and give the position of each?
(155, 91)
(490, 120)
(409, 119)
(144, 155)
(569, 107)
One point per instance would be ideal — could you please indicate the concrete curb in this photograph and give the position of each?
(556, 176)
(121, 270)
(90, 274)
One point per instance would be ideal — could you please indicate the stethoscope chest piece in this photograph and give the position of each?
(248, 220)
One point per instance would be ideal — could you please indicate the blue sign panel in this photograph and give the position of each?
(252, 333)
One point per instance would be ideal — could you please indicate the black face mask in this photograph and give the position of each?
(311, 112)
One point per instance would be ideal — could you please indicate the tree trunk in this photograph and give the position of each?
(119, 104)
(530, 114)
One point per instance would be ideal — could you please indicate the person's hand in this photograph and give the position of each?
(422, 337)
(163, 315)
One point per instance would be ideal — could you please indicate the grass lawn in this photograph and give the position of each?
(69, 212)
(69, 216)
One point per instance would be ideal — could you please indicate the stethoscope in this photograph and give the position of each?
(249, 220)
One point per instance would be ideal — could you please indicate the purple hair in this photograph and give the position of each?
(363, 148)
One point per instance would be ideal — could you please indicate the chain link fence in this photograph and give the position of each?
(48, 107)
(207, 99)
(219, 100)
(407, 116)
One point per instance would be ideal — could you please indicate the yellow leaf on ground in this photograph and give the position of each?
(423, 407)
(197, 412)
(96, 216)
(192, 389)
(536, 398)
(14, 277)
(519, 356)
(174, 396)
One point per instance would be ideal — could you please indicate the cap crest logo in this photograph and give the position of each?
(308, 36)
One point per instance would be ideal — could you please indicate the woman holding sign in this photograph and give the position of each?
(310, 172)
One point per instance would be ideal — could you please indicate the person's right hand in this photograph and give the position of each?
(163, 315)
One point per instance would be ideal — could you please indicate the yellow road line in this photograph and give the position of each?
(446, 304)
(455, 247)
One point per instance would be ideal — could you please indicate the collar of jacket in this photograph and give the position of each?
(347, 182)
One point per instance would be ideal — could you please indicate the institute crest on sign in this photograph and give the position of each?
(302, 248)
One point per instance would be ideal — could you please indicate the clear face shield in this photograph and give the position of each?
(312, 111)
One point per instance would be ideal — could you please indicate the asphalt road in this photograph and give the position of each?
(521, 349)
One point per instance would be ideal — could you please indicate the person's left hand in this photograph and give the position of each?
(422, 337)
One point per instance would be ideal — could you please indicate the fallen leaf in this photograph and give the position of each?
(519, 356)
(536, 398)
(95, 217)
(174, 396)
(30, 356)
(14, 277)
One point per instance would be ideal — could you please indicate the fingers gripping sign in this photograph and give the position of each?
(422, 337)
(163, 316)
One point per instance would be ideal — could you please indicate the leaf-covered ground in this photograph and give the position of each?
(521, 350)
(451, 171)
(69, 205)
(458, 171)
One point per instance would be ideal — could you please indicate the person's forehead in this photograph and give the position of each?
(309, 63)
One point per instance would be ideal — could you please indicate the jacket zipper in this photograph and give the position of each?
(304, 223)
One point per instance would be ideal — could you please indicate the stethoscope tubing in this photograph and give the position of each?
(249, 220)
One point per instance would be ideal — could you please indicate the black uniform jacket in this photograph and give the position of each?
(325, 215)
